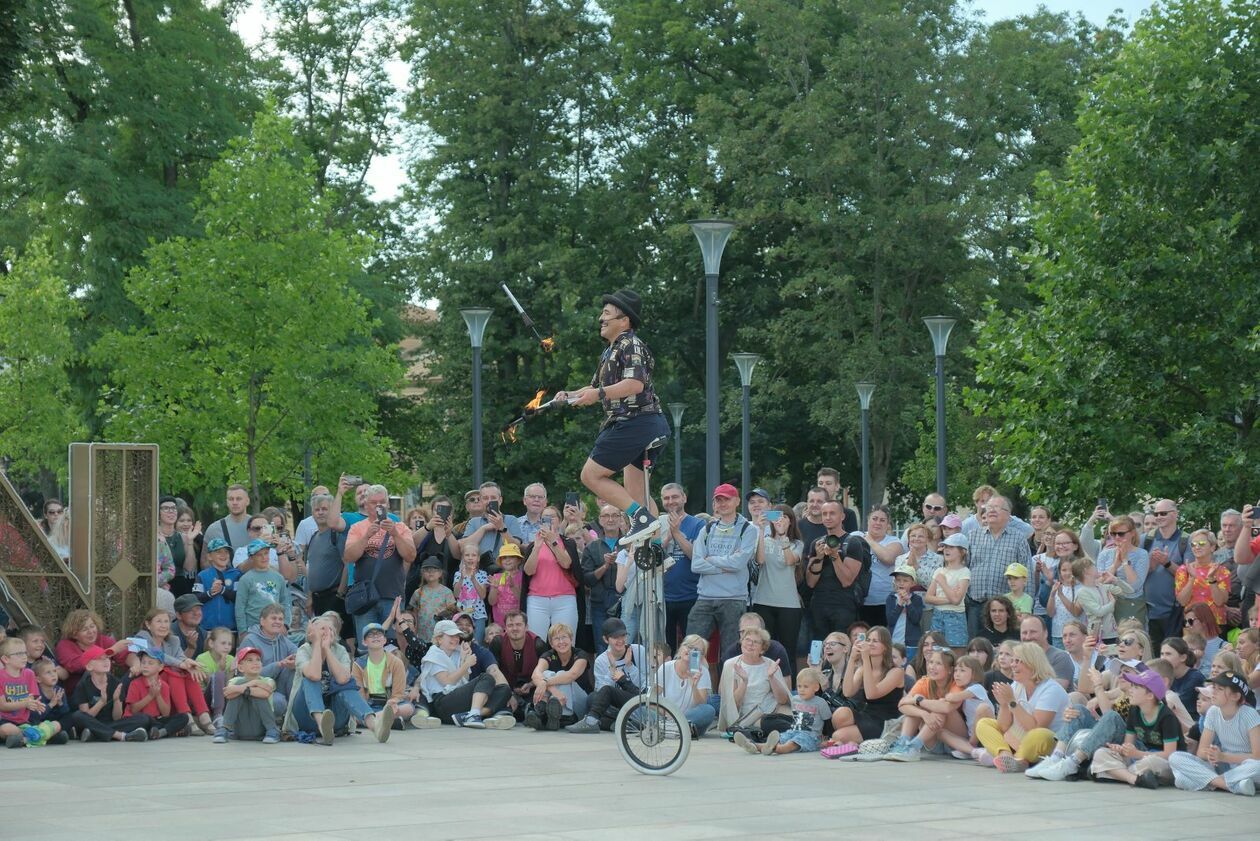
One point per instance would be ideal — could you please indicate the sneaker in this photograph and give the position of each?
(60, 739)
(423, 721)
(1009, 764)
(85, 735)
(643, 526)
(156, 733)
(747, 744)
(957, 754)
(272, 737)
(324, 724)
(695, 733)
(220, 737)
(137, 735)
(1061, 770)
(384, 723)
(771, 742)
(1035, 772)
(983, 757)
(534, 718)
(1147, 779)
(555, 712)
(501, 721)
(903, 753)
(17, 740)
(475, 721)
(583, 726)
(1247, 787)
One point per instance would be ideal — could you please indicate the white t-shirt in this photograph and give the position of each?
(1233, 733)
(971, 705)
(758, 695)
(434, 663)
(1048, 695)
(677, 690)
(303, 533)
(951, 577)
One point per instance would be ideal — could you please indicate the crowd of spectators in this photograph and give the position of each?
(1129, 653)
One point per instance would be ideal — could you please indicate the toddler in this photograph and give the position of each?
(432, 598)
(809, 712)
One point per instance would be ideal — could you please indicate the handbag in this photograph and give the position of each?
(362, 595)
(614, 610)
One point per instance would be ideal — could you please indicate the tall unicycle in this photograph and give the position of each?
(652, 734)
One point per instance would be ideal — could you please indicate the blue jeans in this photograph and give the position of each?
(309, 698)
(1101, 732)
(701, 717)
(599, 613)
(378, 612)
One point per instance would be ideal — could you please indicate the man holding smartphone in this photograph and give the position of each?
(490, 529)
(632, 415)
(382, 550)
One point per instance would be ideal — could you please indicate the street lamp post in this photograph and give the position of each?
(712, 235)
(676, 410)
(865, 390)
(476, 318)
(939, 326)
(745, 362)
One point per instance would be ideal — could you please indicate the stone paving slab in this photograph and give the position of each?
(461, 784)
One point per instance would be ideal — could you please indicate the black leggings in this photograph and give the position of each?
(606, 701)
(459, 700)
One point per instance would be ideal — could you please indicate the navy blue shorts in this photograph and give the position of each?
(622, 444)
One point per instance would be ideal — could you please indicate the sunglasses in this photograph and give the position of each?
(1191, 620)
(54, 511)
(1129, 641)
(1197, 543)
(1161, 513)
(1118, 533)
(934, 507)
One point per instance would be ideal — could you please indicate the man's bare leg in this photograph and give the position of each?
(599, 481)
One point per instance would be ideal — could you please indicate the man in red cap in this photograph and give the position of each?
(720, 555)
(632, 415)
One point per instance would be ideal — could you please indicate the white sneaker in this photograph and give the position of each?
(747, 744)
(502, 721)
(1061, 770)
(423, 721)
(1034, 773)
(384, 723)
(1247, 788)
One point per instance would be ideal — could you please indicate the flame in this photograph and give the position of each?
(548, 344)
(533, 405)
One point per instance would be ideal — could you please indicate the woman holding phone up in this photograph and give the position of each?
(552, 591)
(779, 551)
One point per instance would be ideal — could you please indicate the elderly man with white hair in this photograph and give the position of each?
(381, 550)
(994, 547)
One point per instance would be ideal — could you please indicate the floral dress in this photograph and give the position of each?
(466, 594)
(429, 603)
(1201, 593)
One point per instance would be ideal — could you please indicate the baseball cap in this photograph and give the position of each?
(1235, 681)
(473, 492)
(952, 521)
(186, 603)
(372, 627)
(431, 562)
(1016, 570)
(960, 540)
(246, 651)
(256, 546)
(906, 570)
(445, 628)
(94, 652)
(613, 628)
(727, 490)
(1149, 680)
(145, 648)
(459, 616)
(761, 492)
(217, 543)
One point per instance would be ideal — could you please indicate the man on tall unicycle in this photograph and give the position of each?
(632, 414)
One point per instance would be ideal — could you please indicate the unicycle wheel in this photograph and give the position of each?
(653, 736)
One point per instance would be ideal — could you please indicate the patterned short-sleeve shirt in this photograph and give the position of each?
(627, 358)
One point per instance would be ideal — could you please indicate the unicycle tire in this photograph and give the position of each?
(653, 736)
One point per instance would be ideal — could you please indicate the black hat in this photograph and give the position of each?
(1236, 682)
(626, 300)
(162, 500)
(431, 562)
(614, 628)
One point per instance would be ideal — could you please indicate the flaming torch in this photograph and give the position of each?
(508, 433)
(548, 343)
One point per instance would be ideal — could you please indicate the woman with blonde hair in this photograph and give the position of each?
(689, 688)
(1030, 708)
(563, 679)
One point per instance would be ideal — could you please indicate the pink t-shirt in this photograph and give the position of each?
(18, 688)
(508, 584)
(549, 579)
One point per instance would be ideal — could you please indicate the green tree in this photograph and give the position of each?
(37, 417)
(1131, 376)
(255, 345)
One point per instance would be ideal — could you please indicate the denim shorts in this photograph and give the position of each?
(806, 740)
(953, 624)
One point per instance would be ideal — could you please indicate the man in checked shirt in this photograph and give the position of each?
(632, 415)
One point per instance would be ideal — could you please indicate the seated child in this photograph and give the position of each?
(149, 696)
(37, 648)
(1152, 734)
(19, 698)
(382, 676)
(809, 711)
(219, 665)
(56, 707)
(248, 712)
(97, 703)
(929, 710)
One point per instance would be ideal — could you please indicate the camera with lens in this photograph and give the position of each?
(832, 541)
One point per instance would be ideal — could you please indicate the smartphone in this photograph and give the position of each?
(1102, 503)
(773, 516)
(571, 498)
(492, 507)
(546, 521)
(815, 652)
(354, 481)
(443, 510)
(381, 513)
(693, 661)
(267, 530)
(860, 636)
